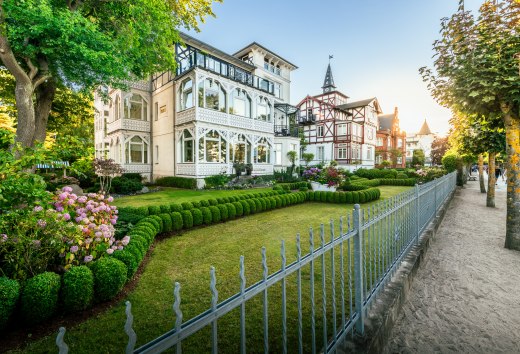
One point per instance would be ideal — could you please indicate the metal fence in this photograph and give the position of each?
(352, 268)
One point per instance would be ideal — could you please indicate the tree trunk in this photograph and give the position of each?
(481, 173)
(26, 117)
(490, 201)
(512, 124)
(44, 96)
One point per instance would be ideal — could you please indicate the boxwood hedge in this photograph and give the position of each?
(39, 298)
(9, 294)
(77, 290)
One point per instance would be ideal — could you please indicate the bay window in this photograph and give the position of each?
(212, 95)
(136, 150)
(263, 151)
(135, 107)
(240, 103)
(187, 146)
(212, 147)
(186, 94)
(263, 109)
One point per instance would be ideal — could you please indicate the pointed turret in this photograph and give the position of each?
(425, 129)
(328, 83)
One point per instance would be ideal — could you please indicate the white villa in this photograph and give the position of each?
(421, 140)
(215, 110)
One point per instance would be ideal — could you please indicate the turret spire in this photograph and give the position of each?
(328, 83)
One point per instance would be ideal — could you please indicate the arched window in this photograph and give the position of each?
(135, 107)
(212, 147)
(263, 151)
(263, 109)
(117, 108)
(186, 94)
(136, 150)
(241, 103)
(212, 95)
(187, 146)
(241, 150)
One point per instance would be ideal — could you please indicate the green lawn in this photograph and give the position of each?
(175, 195)
(187, 259)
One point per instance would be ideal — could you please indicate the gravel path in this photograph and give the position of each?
(466, 295)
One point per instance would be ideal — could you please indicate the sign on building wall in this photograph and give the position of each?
(163, 109)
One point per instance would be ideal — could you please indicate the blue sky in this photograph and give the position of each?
(378, 47)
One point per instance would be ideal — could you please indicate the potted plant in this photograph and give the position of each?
(249, 169)
(326, 179)
(239, 168)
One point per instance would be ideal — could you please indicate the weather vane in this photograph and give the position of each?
(330, 57)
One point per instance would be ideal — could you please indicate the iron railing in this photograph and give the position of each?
(369, 248)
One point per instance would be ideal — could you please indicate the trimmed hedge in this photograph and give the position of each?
(179, 182)
(167, 222)
(362, 196)
(187, 219)
(9, 294)
(110, 275)
(215, 213)
(129, 259)
(292, 186)
(39, 298)
(207, 217)
(78, 289)
(410, 182)
(197, 216)
(177, 220)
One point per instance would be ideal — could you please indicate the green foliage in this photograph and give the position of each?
(39, 298)
(223, 212)
(154, 210)
(187, 219)
(197, 216)
(131, 261)
(77, 291)
(401, 175)
(239, 209)
(450, 162)
(215, 214)
(176, 207)
(123, 185)
(187, 205)
(398, 182)
(177, 220)
(231, 210)
(418, 158)
(207, 216)
(9, 294)
(374, 173)
(355, 197)
(167, 222)
(179, 182)
(245, 207)
(216, 181)
(110, 275)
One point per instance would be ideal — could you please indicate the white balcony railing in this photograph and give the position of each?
(129, 124)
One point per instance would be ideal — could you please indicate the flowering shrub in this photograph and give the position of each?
(330, 176)
(69, 231)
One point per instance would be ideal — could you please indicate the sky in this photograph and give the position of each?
(378, 47)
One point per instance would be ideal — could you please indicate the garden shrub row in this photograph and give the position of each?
(179, 182)
(358, 185)
(134, 214)
(362, 196)
(294, 186)
(410, 182)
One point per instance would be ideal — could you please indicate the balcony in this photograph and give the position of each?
(283, 130)
(306, 119)
(197, 114)
(129, 124)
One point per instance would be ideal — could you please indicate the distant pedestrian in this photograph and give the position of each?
(504, 174)
(498, 173)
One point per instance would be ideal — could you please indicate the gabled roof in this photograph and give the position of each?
(386, 121)
(328, 83)
(425, 129)
(253, 44)
(214, 51)
(360, 104)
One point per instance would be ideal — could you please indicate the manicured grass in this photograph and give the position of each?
(187, 259)
(175, 195)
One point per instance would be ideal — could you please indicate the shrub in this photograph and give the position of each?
(245, 207)
(310, 195)
(187, 206)
(157, 222)
(335, 198)
(216, 181)
(78, 289)
(165, 208)
(187, 219)
(263, 204)
(204, 203)
(239, 209)
(197, 216)
(220, 200)
(278, 201)
(206, 216)
(232, 212)
(109, 278)
(40, 297)
(196, 204)
(323, 196)
(167, 222)
(174, 207)
(9, 294)
(123, 185)
(349, 197)
(355, 197)
(177, 220)
(342, 197)
(362, 197)
(131, 260)
(398, 182)
(212, 202)
(401, 175)
(142, 210)
(215, 214)
(179, 182)
(223, 212)
(303, 189)
(133, 176)
(154, 210)
(330, 197)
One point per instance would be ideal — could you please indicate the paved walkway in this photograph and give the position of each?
(465, 297)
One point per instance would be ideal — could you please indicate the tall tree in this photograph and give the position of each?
(84, 44)
(476, 72)
(418, 158)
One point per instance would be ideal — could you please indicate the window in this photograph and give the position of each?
(277, 154)
(320, 153)
(399, 160)
(156, 111)
(342, 129)
(342, 152)
(369, 153)
(356, 152)
(262, 152)
(136, 150)
(370, 134)
(241, 103)
(263, 109)
(278, 90)
(186, 94)
(156, 154)
(293, 147)
(117, 108)
(212, 147)
(212, 95)
(135, 107)
(319, 130)
(241, 150)
(186, 146)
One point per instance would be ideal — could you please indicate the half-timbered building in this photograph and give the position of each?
(215, 110)
(338, 130)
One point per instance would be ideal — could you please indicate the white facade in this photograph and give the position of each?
(216, 110)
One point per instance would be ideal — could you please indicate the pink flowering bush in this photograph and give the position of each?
(330, 176)
(69, 231)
